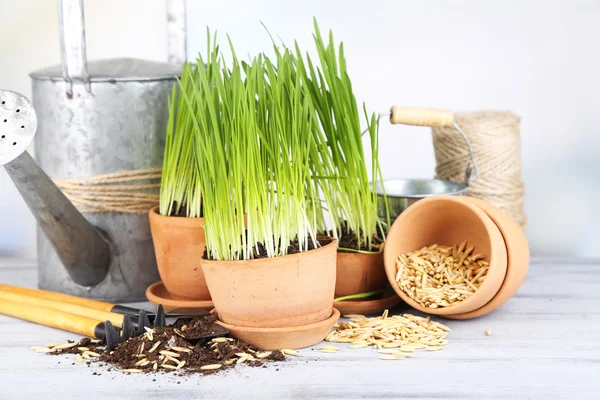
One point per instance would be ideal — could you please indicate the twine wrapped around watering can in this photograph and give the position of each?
(121, 192)
(495, 139)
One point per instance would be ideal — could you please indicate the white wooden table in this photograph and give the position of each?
(545, 344)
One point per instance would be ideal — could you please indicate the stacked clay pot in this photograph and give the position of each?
(449, 220)
(277, 302)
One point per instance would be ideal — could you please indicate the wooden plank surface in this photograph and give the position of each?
(545, 344)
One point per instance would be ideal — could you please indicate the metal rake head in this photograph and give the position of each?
(132, 326)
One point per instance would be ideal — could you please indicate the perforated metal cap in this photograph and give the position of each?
(18, 124)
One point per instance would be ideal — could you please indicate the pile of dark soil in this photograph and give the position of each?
(172, 349)
(349, 240)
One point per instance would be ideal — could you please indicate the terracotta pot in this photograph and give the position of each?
(294, 337)
(291, 290)
(179, 244)
(518, 258)
(448, 220)
(359, 273)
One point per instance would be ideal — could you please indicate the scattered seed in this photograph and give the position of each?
(328, 351)
(489, 332)
(390, 357)
(83, 348)
(181, 349)
(211, 366)
(78, 358)
(153, 348)
(92, 353)
(332, 348)
(173, 359)
(178, 332)
(263, 354)
(132, 370)
(141, 362)
(169, 353)
(155, 366)
(64, 346)
(52, 344)
(181, 364)
(39, 349)
(219, 340)
(290, 352)
(396, 335)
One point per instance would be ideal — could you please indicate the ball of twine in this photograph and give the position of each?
(495, 139)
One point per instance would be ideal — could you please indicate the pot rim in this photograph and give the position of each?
(492, 230)
(333, 242)
(175, 219)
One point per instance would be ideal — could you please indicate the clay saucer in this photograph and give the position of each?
(518, 258)
(294, 337)
(158, 294)
(448, 220)
(367, 307)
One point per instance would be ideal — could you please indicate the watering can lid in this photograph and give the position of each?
(119, 70)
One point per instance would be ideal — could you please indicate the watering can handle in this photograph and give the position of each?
(72, 39)
(421, 116)
(72, 43)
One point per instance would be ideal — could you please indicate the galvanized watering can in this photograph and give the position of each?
(93, 118)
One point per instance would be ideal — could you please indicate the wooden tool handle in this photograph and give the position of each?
(421, 116)
(64, 298)
(92, 313)
(48, 317)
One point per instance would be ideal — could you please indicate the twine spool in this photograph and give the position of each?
(495, 139)
(121, 192)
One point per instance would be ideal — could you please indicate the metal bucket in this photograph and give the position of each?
(401, 193)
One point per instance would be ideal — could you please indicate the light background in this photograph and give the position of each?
(539, 59)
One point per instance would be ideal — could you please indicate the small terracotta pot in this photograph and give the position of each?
(448, 220)
(277, 292)
(518, 258)
(179, 244)
(359, 273)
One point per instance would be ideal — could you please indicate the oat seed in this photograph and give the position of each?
(290, 352)
(211, 366)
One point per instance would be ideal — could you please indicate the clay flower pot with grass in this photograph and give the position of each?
(271, 278)
(341, 162)
(177, 225)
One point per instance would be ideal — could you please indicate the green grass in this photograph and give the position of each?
(351, 203)
(251, 123)
(180, 190)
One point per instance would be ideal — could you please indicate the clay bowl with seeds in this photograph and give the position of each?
(448, 220)
(518, 258)
(295, 337)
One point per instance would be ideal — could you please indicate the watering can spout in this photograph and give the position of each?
(81, 247)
